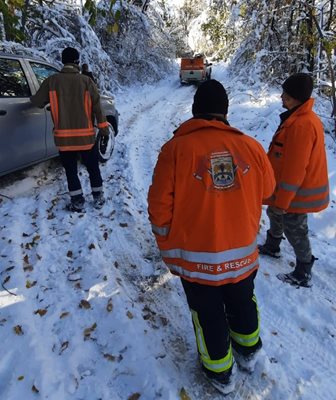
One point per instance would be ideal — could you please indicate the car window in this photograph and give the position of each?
(13, 82)
(42, 71)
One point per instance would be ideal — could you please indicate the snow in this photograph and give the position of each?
(91, 312)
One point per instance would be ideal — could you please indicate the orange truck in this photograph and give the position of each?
(195, 70)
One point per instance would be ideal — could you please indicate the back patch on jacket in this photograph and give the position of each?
(222, 170)
(221, 167)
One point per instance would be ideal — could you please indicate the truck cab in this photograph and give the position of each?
(195, 69)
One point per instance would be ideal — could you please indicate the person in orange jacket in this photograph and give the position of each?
(74, 104)
(204, 205)
(297, 154)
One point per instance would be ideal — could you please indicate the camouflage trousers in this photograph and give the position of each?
(295, 228)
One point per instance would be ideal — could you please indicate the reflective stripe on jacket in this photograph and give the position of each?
(74, 104)
(205, 202)
(297, 154)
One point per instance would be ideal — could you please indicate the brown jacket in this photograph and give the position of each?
(298, 157)
(75, 104)
(205, 202)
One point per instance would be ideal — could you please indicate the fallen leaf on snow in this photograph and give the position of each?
(109, 306)
(88, 331)
(18, 330)
(134, 396)
(65, 345)
(41, 312)
(30, 284)
(34, 389)
(28, 268)
(84, 304)
(109, 357)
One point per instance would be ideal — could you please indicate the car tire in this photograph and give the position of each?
(112, 120)
(103, 158)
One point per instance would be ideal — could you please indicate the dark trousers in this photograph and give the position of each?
(226, 315)
(89, 158)
(295, 228)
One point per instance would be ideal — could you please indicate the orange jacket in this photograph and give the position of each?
(74, 104)
(298, 157)
(205, 202)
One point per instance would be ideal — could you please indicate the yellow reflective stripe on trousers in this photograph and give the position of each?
(199, 336)
(220, 365)
(251, 339)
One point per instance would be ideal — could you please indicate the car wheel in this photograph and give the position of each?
(112, 120)
(110, 146)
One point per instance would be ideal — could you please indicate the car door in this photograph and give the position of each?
(40, 72)
(22, 126)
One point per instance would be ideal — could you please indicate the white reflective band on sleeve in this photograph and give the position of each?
(308, 204)
(310, 192)
(211, 258)
(160, 230)
(303, 191)
(209, 276)
(287, 186)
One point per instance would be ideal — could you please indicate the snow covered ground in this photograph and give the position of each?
(87, 308)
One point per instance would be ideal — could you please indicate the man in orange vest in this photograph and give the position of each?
(298, 157)
(74, 105)
(205, 205)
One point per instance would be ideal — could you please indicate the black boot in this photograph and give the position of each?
(76, 204)
(301, 276)
(271, 247)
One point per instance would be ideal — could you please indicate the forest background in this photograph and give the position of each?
(131, 41)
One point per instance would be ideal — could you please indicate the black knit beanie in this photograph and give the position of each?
(299, 86)
(210, 98)
(70, 56)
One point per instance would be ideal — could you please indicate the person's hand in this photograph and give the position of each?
(103, 143)
(278, 211)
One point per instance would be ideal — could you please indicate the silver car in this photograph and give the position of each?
(26, 131)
